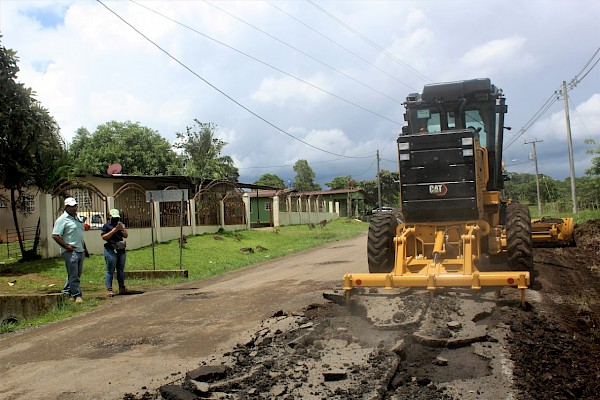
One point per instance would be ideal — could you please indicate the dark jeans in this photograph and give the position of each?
(115, 261)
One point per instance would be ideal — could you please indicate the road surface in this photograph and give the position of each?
(143, 340)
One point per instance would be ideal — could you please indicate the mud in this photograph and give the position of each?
(456, 345)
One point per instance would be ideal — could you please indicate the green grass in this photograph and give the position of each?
(65, 309)
(204, 256)
(581, 216)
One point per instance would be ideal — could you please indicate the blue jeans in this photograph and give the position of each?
(74, 265)
(114, 261)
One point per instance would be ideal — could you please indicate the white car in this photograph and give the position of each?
(94, 219)
(382, 210)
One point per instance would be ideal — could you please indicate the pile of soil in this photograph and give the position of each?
(556, 346)
(331, 351)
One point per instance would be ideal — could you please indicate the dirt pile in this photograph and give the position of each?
(556, 346)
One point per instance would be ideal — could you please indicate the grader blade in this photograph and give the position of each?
(552, 232)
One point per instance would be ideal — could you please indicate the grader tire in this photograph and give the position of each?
(380, 244)
(518, 239)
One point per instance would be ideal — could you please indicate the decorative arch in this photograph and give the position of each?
(208, 203)
(130, 200)
(235, 209)
(89, 198)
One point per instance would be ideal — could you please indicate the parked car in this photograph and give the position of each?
(95, 219)
(382, 210)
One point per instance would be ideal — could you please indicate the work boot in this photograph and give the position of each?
(78, 300)
(123, 290)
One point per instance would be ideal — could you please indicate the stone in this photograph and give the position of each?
(175, 392)
(335, 375)
(441, 361)
(208, 373)
(454, 325)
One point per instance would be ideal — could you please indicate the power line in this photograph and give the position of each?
(555, 96)
(267, 64)
(372, 43)
(538, 114)
(304, 53)
(291, 165)
(367, 170)
(339, 45)
(219, 90)
(576, 80)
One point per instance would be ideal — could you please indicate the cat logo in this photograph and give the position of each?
(438, 190)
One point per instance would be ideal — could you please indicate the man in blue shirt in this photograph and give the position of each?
(68, 233)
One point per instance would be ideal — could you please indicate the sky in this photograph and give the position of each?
(322, 81)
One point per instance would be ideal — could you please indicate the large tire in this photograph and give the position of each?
(518, 238)
(380, 244)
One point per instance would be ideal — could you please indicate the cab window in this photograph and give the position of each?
(473, 120)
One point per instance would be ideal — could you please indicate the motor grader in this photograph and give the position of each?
(454, 227)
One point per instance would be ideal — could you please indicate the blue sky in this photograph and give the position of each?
(274, 76)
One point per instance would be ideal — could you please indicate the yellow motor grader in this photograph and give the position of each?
(453, 228)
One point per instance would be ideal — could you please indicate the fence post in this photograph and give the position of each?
(222, 212)
(275, 210)
(246, 200)
(156, 210)
(192, 208)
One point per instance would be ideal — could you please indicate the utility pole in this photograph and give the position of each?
(570, 143)
(537, 176)
(378, 183)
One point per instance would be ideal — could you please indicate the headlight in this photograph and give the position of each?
(467, 141)
(403, 146)
(467, 152)
(405, 157)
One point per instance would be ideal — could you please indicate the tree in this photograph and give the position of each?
(270, 180)
(521, 188)
(340, 182)
(390, 190)
(140, 150)
(595, 168)
(31, 148)
(304, 177)
(202, 153)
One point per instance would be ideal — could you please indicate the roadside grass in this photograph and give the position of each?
(581, 216)
(203, 256)
(64, 310)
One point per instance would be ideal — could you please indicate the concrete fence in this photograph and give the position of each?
(142, 237)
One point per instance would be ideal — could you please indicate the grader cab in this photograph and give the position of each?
(454, 228)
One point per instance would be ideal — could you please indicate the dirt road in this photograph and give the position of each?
(268, 333)
(144, 340)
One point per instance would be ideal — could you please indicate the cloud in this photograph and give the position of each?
(584, 119)
(280, 91)
(499, 56)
